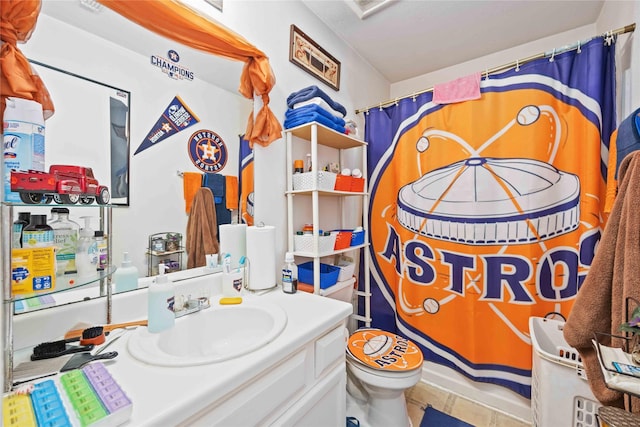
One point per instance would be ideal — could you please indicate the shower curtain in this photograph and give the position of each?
(486, 212)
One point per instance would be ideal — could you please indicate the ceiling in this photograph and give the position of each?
(403, 39)
(408, 38)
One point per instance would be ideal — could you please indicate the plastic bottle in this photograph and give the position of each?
(86, 253)
(24, 218)
(65, 235)
(161, 297)
(38, 234)
(126, 276)
(289, 274)
(102, 250)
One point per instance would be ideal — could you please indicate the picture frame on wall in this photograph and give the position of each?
(308, 55)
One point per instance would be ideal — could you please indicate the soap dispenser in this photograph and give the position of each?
(161, 299)
(126, 276)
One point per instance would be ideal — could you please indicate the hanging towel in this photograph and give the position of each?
(202, 234)
(191, 182)
(612, 183)
(628, 139)
(613, 276)
(313, 92)
(217, 183)
(462, 89)
(231, 192)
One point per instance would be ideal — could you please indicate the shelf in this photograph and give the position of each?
(326, 136)
(59, 205)
(165, 253)
(326, 193)
(322, 255)
(67, 282)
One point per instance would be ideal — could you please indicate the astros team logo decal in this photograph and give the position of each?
(207, 151)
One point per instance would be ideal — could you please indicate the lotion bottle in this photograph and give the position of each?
(161, 298)
(126, 276)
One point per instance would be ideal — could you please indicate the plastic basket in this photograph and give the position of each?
(343, 239)
(328, 274)
(560, 394)
(346, 271)
(304, 243)
(304, 181)
(343, 183)
(357, 185)
(357, 238)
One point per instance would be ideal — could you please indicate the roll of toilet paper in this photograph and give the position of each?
(233, 241)
(261, 252)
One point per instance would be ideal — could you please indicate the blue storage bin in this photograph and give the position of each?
(357, 238)
(328, 274)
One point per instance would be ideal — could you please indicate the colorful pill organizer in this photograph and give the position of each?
(81, 397)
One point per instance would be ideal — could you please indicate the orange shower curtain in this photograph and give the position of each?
(177, 22)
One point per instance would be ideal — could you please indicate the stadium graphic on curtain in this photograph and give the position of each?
(487, 212)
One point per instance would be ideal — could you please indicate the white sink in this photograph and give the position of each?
(212, 335)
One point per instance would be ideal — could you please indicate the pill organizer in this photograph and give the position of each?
(82, 397)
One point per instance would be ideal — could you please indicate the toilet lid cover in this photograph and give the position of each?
(383, 350)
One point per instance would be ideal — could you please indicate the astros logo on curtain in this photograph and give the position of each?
(487, 212)
(246, 181)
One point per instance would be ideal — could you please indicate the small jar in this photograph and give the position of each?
(298, 166)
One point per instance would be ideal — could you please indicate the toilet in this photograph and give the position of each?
(380, 367)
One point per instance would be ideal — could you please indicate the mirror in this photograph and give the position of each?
(104, 48)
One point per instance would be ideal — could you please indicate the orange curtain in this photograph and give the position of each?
(177, 22)
(17, 79)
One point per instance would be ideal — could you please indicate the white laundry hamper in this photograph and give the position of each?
(560, 393)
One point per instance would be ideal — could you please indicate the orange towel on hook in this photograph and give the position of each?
(191, 182)
(231, 193)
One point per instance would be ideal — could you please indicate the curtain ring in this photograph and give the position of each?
(396, 102)
(517, 65)
(366, 112)
(486, 74)
(579, 50)
(380, 107)
(553, 54)
(414, 96)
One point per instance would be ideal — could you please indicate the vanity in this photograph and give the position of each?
(297, 378)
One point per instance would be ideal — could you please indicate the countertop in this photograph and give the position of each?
(169, 395)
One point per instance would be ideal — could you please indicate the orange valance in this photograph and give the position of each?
(17, 78)
(178, 22)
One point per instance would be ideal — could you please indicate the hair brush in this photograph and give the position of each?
(49, 350)
(97, 331)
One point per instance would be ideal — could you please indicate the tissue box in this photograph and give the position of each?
(328, 274)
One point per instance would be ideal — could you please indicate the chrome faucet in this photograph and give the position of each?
(190, 305)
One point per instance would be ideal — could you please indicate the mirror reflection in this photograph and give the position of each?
(148, 193)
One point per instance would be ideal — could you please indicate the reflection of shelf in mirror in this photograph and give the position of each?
(163, 253)
(68, 282)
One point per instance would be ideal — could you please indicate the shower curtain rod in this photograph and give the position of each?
(623, 30)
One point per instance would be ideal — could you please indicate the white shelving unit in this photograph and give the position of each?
(319, 135)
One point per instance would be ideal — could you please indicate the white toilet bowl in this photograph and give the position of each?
(380, 367)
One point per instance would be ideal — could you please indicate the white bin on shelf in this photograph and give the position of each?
(560, 393)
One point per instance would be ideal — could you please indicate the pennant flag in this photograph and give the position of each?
(176, 117)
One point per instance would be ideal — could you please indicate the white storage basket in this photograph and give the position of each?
(304, 181)
(560, 393)
(304, 243)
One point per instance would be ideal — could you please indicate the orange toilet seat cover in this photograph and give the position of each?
(383, 350)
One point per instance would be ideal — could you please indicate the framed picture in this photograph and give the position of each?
(309, 56)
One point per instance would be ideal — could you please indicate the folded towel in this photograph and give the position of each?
(300, 111)
(202, 229)
(216, 182)
(312, 117)
(458, 90)
(232, 192)
(191, 182)
(316, 101)
(313, 92)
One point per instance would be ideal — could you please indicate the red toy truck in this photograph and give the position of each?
(63, 183)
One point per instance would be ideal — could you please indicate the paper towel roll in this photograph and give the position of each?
(233, 240)
(261, 251)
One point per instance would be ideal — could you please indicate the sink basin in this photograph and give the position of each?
(212, 335)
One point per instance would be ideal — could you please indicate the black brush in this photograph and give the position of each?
(48, 350)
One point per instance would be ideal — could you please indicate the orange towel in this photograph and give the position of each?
(612, 182)
(191, 182)
(231, 192)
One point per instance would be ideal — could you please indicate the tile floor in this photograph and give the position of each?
(424, 394)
